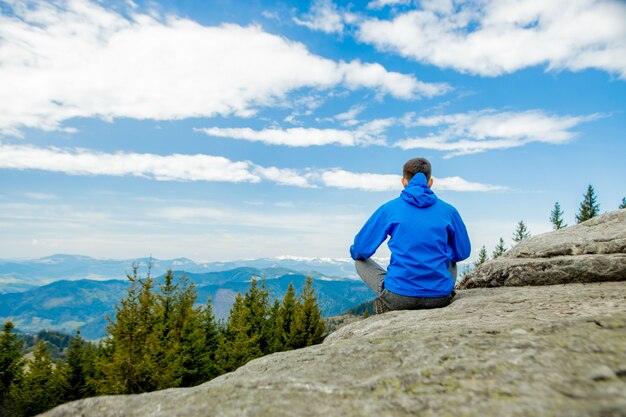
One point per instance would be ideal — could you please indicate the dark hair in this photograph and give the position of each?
(415, 165)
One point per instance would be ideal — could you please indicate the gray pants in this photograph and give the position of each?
(374, 277)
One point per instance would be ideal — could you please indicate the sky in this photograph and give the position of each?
(224, 130)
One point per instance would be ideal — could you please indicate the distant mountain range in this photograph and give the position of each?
(68, 301)
(20, 275)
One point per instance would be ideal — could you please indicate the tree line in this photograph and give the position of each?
(159, 338)
(588, 209)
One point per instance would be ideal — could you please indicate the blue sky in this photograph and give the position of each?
(223, 130)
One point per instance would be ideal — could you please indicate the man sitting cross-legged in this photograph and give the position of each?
(428, 237)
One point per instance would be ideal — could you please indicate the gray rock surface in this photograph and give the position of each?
(510, 351)
(592, 251)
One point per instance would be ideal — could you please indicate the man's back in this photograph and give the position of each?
(426, 235)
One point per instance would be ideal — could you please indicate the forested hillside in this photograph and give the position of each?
(158, 338)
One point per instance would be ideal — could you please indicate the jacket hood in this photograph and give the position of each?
(418, 193)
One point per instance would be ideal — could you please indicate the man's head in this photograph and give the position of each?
(413, 166)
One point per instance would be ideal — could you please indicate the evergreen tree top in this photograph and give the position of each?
(482, 257)
(556, 217)
(521, 232)
(499, 249)
(589, 207)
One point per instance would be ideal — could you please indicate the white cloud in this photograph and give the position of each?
(376, 127)
(283, 176)
(455, 134)
(366, 134)
(323, 16)
(339, 178)
(459, 184)
(297, 136)
(474, 132)
(270, 15)
(304, 105)
(359, 74)
(175, 167)
(200, 167)
(350, 114)
(379, 4)
(495, 37)
(65, 59)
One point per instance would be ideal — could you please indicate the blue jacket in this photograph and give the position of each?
(426, 234)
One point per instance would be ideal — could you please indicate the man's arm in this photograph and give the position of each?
(371, 235)
(458, 238)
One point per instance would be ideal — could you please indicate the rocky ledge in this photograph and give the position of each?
(592, 251)
(509, 351)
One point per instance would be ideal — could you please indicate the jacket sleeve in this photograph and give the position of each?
(458, 238)
(371, 235)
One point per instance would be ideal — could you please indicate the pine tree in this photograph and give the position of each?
(79, 369)
(11, 361)
(210, 343)
(173, 309)
(256, 301)
(285, 316)
(159, 339)
(273, 329)
(499, 249)
(37, 390)
(131, 341)
(623, 205)
(482, 257)
(200, 345)
(90, 353)
(307, 327)
(589, 207)
(238, 345)
(521, 232)
(556, 217)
